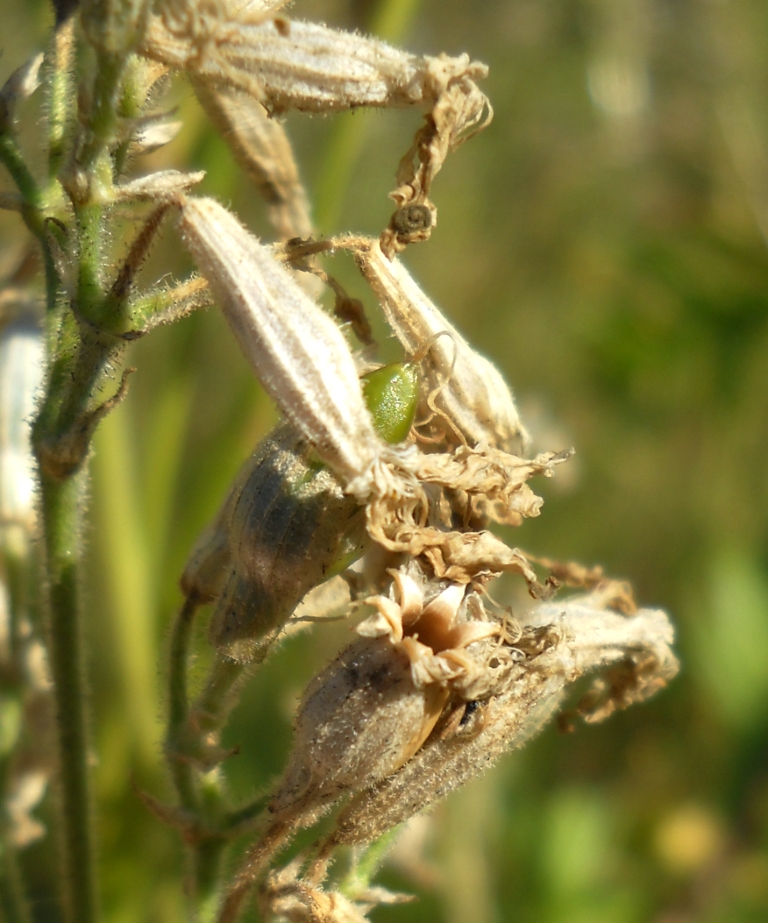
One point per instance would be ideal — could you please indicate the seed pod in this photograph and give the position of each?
(287, 526)
(371, 710)
(359, 721)
(291, 527)
(297, 351)
(293, 65)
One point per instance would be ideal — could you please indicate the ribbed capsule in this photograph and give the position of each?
(290, 527)
(559, 645)
(296, 350)
(289, 64)
(372, 708)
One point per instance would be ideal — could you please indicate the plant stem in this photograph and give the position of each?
(62, 517)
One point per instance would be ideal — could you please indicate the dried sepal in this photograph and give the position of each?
(296, 350)
(464, 394)
(261, 147)
(153, 132)
(167, 304)
(558, 644)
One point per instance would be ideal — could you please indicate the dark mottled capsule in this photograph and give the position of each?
(287, 526)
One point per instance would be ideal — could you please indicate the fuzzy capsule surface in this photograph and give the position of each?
(290, 527)
(559, 645)
(360, 719)
(290, 64)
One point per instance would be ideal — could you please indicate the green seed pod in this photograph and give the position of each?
(287, 526)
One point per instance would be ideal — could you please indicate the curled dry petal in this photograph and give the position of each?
(283, 894)
(561, 643)
(494, 480)
(464, 393)
(460, 110)
(296, 350)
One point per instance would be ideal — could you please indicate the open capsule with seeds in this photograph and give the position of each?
(372, 708)
(556, 645)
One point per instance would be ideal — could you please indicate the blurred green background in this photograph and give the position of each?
(604, 242)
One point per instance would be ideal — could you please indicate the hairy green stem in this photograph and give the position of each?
(59, 87)
(62, 518)
(205, 852)
(103, 115)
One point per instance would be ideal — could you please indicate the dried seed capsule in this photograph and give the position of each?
(359, 721)
(291, 527)
(297, 351)
(286, 526)
(560, 644)
(372, 709)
